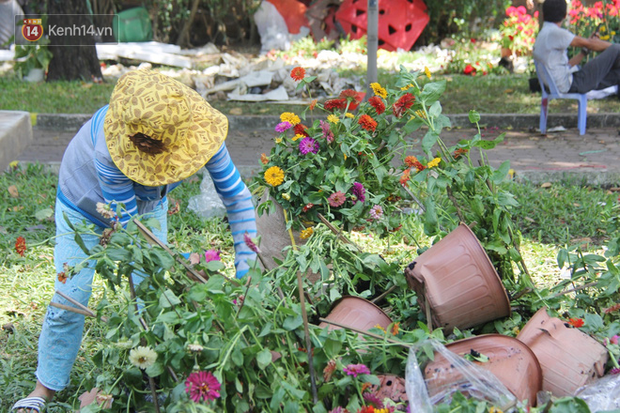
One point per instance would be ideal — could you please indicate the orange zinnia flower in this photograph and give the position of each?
(405, 177)
(312, 104)
(298, 73)
(264, 159)
(20, 245)
(368, 123)
(377, 103)
(62, 277)
(576, 322)
(410, 160)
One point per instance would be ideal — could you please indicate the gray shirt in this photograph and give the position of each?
(551, 49)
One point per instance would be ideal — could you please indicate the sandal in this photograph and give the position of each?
(36, 404)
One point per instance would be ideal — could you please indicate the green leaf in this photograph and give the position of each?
(432, 92)
(42, 214)
(500, 173)
(474, 117)
(155, 369)
(429, 141)
(263, 358)
(168, 299)
(435, 110)
(292, 323)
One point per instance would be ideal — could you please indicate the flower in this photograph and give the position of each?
(297, 137)
(306, 233)
(459, 152)
(105, 210)
(312, 104)
(142, 357)
(373, 399)
(333, 104)
(300, 129)
(286, 196)
(307, 145)
(433, 163)
(274, 176)
(336, 199)
(611, 309)
(333, 119)
(290, 118)
(349, 115)
(356, 369)
(614, 339)
(576, 322)
(376, 212)
(328, 371)
(298, 73)
(405, 177)
(378, 90)
(367, 409)
(395, 329)
(410, 160)
(20, 245)
(615, 370)
(338, 410)
(494, 409)
(212, 255)
(202, 385)
(327, 133)
(264, 159)
(367, 123)
(195, 348)
(62, 277)
(427, 72)
(283, 127)
(307, 207)
(469, 70)
(378, 104)
(354, 98)
(359, 191)
(402, 104)
(251, 245)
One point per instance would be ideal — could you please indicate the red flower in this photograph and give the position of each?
(377, 103)
(308, 207)
(366, 409)
(405, 177)
(576, 322)
(298, 73)
(402, 104)
(62, 277)
(312, 104)
(459, 152)
(20, 245)
(202, 385)
(300, 129)
(367, 123)
(333, 104)
(472, 40)
(352, 96)
(469, 70)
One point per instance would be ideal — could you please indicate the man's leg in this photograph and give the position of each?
(601, 72)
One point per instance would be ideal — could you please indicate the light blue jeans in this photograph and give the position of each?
(61, 334)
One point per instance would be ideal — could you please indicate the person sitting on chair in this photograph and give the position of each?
(551, 49)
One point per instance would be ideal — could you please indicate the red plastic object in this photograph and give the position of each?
(293, 12)
(400, 21)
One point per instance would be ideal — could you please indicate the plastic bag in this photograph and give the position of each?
(207, 204)
(470, 379)
(602, 394)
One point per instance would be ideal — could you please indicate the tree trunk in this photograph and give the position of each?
(72, 62)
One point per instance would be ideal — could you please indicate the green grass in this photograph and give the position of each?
(486, 94)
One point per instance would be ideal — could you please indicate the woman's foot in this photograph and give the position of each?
(35, 405)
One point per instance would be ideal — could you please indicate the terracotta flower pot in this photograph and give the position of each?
(356, 312)
(455, 276)
(569, 358)
(511, 361)
(390, 387)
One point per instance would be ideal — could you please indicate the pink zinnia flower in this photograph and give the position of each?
(336, 199)
(283, 127)
(376, 212)
(356, 369)
(327, 133)
(373, 399)
(212, 255)
(251, 245)
(359, 191)
(614, 339)
(202, 385)
(307, 145)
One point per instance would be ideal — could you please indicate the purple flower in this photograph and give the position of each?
(307, 145)
(356, 369)
(202, 385)
(212, 255)
(614, 371)
(373, 399)
(338, 410)
(327, 133)
(376, 212)
(359, 191)
(283, 127)
(251, 245)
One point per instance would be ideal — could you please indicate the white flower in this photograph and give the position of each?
(142, 357)
(196, 348)
(105, 210)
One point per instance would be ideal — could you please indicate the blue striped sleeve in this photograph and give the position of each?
(117, 188)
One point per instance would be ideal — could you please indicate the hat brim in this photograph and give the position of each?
(204, 133)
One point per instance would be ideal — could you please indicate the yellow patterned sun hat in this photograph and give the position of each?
(188, 130)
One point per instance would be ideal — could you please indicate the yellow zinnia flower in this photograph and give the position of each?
(349, 115)
(274, 176)
(420, 113)
(286, 196)
(433, 163)
(427, 72)
(297, 136)
(333, 119)
(306, 233)
(409, 86)
(495, 410)
(290, 118)
(278, 140)
(379, 91)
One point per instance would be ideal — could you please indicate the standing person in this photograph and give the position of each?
(551, 48)
(154, 133)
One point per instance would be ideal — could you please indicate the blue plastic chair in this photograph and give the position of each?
(545, 80)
